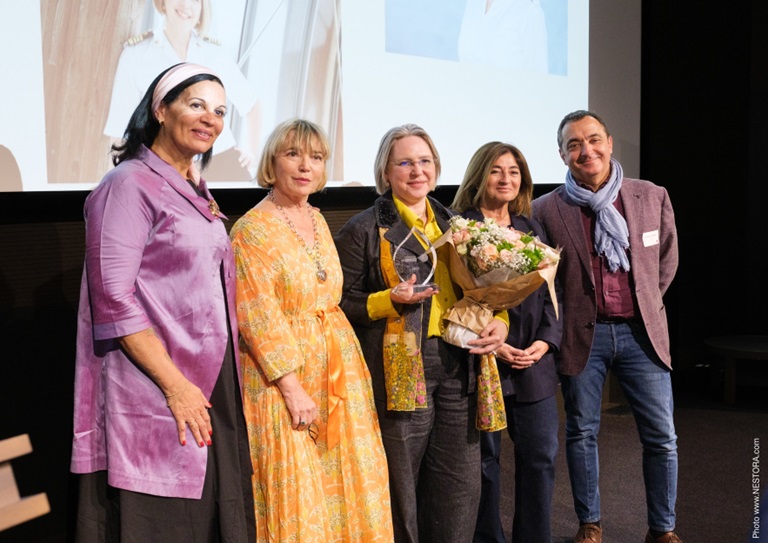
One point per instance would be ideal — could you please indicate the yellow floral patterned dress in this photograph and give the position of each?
(336, 489)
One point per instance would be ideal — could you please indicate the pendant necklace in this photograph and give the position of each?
(314, 251)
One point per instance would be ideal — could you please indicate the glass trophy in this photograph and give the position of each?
(407, 264)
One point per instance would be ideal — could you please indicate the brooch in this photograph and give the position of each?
(213, 207)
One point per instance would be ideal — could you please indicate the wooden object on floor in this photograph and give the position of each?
(13, 508)
(733, 349)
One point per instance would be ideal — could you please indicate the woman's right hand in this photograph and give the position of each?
(403, 293)
(301, 406)
(190, 408)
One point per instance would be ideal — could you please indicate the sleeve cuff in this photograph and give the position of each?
(380, 306)
(503, 316)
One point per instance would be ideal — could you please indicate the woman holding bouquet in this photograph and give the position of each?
(497, 185)
(423, 387)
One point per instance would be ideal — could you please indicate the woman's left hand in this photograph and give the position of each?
(186, 401)
(189, 408)
(520, 359)
(491, 338)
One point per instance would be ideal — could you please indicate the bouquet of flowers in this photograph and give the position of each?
(497, 268)
(494, 253)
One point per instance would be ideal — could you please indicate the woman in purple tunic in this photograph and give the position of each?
(159, 433)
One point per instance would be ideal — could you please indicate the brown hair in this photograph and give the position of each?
(472, 190)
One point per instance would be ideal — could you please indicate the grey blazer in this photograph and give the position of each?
(653, 260)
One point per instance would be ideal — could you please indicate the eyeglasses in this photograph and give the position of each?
(422, 163)
(313, 432)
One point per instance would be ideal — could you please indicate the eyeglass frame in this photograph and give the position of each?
(422, 163)
(313, 432)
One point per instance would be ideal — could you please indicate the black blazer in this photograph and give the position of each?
(358, 245)
(531, 320)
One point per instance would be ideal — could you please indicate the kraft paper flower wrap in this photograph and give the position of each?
(496, 268)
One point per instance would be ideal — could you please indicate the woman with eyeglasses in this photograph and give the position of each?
(320, 470)
(424, 388)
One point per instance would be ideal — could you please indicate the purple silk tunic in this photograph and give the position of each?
(155, 254)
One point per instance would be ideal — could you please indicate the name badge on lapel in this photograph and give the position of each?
(650, 238)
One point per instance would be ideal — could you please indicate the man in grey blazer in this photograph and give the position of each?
(619, 255)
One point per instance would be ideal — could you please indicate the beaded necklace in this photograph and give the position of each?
(314, 251)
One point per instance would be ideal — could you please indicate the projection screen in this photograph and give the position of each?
(468, 71)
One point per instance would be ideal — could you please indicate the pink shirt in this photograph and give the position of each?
(155, 257)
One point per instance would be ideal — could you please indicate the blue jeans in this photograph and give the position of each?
(625, 349)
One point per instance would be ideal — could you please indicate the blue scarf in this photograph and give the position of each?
(611, 232)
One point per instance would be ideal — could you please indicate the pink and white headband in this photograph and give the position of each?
(173, 77)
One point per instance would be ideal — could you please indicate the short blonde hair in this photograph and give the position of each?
(472, 190)
(385, 150)
(297, 133)
(206, 15)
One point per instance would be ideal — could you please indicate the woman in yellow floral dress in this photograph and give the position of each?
(320, 473)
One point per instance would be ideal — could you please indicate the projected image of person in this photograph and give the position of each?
(183, 38)
(424, 387)
(11, 178)
(160, 439)
(498, 185)
(320, 471)
(505, 33)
